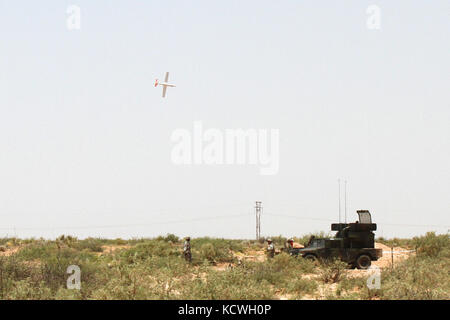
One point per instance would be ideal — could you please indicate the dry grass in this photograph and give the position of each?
(221, 269)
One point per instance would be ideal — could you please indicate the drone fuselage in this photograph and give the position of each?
(165, 84)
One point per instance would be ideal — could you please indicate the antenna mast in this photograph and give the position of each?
(339, 192)
(345, 199)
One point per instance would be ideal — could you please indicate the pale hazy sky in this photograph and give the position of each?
(85, 137)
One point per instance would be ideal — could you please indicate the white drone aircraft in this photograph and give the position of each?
(165, 84)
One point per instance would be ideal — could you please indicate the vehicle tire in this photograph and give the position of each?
(363, 262)
(310, 257)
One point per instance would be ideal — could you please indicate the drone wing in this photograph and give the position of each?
(164, 91)
(167, 77)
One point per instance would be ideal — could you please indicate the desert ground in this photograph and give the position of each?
(419, 268)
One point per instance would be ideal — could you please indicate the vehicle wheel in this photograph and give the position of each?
(310, 257)
(363, 262)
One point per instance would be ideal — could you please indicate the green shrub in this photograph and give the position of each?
(155, 269)
(416, 278)
(11, 271)
(268, 272)
(347, 285)
(26, 290)
(214, 250)
(278, 271)
(222, 244)
(91, 244)
(233, 284)
(37, 251)
(149, 249)
(432, 245)
(168, 238)
(119, 242)
(214, 254)
(301, 286)
(332, 270)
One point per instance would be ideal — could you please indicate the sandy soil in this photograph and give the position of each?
(260, 256)
(386, 260)
(9, 251)
(222, 266)
(111, 248)
(251, 255)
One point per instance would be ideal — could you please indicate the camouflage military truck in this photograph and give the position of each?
(353, 243)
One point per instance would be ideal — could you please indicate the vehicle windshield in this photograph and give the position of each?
(317, 243)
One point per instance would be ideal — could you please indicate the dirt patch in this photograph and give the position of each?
(355, 273)
(222, 266)
(282, 296)
(251, 255)
(9, 251)
(385, 261)
(111, 248)
(325, 290)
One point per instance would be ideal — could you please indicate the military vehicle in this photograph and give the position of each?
(353, 243)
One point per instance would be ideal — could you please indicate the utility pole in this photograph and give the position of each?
(258, 210)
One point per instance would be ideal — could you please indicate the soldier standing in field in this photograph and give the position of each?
(290, 245)
(270, 248)
(187, 249)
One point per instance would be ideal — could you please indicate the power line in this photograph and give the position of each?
(297, 217)
(131, 225)
(413, 225)
(379, 223)
(213, 218)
